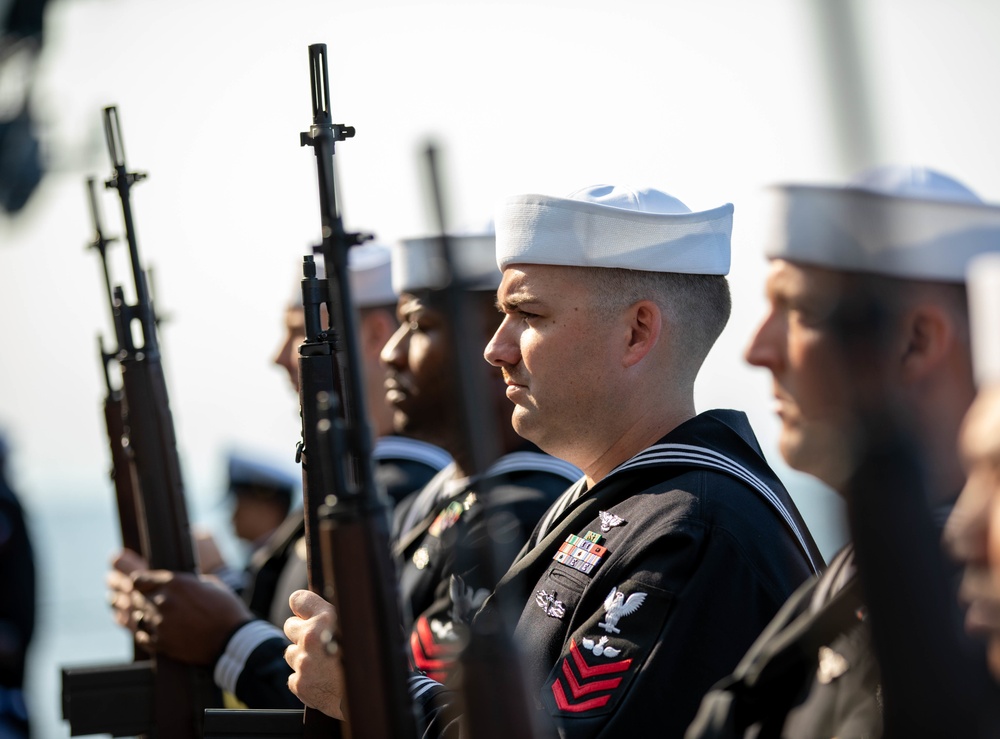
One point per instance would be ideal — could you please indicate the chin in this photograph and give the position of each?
(797, 453)
(822, 458)
(994, 656)
(401, 423)
(522, 423)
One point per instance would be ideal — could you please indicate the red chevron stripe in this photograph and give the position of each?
(432, 648)
(604, 668)
(565, 705)
(420, 658)
(582, 690)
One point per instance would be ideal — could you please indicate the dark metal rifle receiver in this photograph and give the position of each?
(314, 294)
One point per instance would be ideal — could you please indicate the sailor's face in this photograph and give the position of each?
(553, 351)
(973, 530)
(288, 353)
(420, 378)
(796, 343)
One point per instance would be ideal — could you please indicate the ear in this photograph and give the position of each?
(929, 332)
(644, 325)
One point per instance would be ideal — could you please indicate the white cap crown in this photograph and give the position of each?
(906, 222)
(616, 227)
(418, 264)
(984, 316)
(369, 269)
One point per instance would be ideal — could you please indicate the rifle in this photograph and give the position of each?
(346, 517)
(159, 697)
(487, 656)
(122, 472)
(354, 524)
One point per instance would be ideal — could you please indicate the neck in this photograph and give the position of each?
(645, 431)
(938, 420)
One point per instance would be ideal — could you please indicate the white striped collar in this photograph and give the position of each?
(696, 456)
(443, 485)
(534, 462)
(403, 447)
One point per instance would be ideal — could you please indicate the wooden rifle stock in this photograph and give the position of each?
(179, 693)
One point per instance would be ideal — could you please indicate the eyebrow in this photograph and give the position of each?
(515, 301)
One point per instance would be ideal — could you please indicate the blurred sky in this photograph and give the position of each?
(709, 100)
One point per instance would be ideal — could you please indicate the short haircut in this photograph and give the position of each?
(696, 307)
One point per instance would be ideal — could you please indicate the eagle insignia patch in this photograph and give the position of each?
(617, 607)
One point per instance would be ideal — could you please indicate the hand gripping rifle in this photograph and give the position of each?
(159, 698)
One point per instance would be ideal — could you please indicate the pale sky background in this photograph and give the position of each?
(711, 101)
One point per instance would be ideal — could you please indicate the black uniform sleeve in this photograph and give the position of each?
(436, 705)
(253, 667)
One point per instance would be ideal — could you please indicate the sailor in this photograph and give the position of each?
(403, 463)
(866, 339)
(650, 576)
(439, 530)
(199, 622)
(260, 494)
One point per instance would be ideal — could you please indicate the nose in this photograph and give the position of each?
(504, 349)
(966, 533)
(280, 357)
(393, 354)
(764, 347)
(286, 359)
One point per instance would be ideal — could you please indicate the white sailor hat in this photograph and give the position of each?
(906, 222)
(614, 226)
(983, 284)
(369, 269)
(418, 264)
